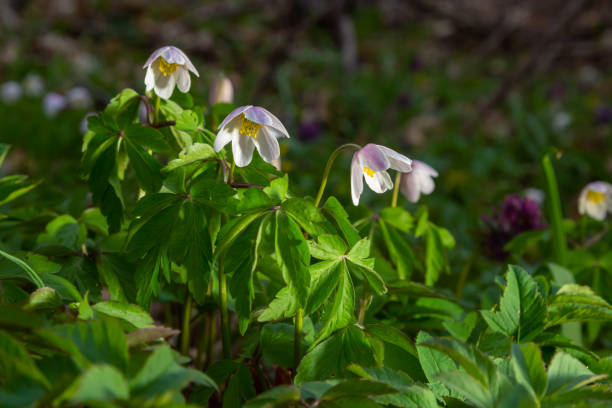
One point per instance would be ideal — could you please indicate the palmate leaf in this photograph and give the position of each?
(434, 362)
(307, 216)
(324, 279)
(106, 193)
(191, 154)
(522, 311)
(341, 311)
(528, 368)
(338, 214)
(146, 167)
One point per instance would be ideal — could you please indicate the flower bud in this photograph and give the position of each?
(222, 91)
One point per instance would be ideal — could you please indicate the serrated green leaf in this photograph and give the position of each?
(132, 314)
(324, 279)
(577, 303)
(399, 251)
(342, 309)
(283, 305)
(433, 363)
(529, 369)
(148, 170)
(522, 310)
(334, 208)
(99, 383)
(191, 154)
(307, 216)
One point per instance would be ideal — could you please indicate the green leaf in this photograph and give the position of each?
(398, 218)
(284, 305)
(149, 334)
(12, 187)
(334, 208)
(132, 314)
(523, 241)
(436, 239)
(213, 194)
(529, 369)
(282, 395)
(461, 383)
(307, 216)
(191, 154)
(293, 256)
(399, 251)
(375, 282)
(413, 289)
(357, 388)
(324, 279)
(188, 121)
(566, 373)
(253, 199)
(4, 149)
(43, 298)
(30, 274)
(120, 102)
(147, 137)
(328, 246)
(232, 230)
(277, 190)
(148, 170)
(392, 335)
(522, 310)
(433, 363)
(577, 303)
(105, 194)
(341, 311)
(100, 382)
(360, 250)
(239, 388)
(330, 357)
(15, 361)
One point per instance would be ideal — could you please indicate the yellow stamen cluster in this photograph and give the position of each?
(165, 67)
(248, 127)
(369, 171)
(595, 196)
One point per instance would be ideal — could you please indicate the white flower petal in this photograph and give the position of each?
(183, 80)
(164, 87)
(242, 148)
(224, 136)
(372, 157)
(154, 56)
(409, 187)
(596, 210)
(397, 161)
(426, 183)
(267, 145)
(356, 179)
(149, 79)
(233, 114)
(379, 182)
(262, 116)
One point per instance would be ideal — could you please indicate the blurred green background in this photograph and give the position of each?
(478, 89)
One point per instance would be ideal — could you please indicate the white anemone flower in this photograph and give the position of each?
(167, 67)
(419, 180)
(372, 162)
(53, 103)
(595, 200)
(10, 92)
(249, 127)
(221, 91)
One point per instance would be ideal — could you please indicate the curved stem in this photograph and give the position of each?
(398, 176)
(330, 161)
(225, 329)
(185, 336)
(297, 347)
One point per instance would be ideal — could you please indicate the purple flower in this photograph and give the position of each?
(513, 216)
(308, 131)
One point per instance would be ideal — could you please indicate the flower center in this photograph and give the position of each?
(369, 171)
(595, 196)
(248, 127)
(165, 67)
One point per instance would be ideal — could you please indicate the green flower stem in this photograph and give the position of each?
(225, 328)
(156, 109)
(330, 161)
(230, 178)
(398, 177)
(554, 209)
(297, 348)
(364, 303)
(185, 336)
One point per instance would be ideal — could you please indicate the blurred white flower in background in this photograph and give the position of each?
(167, 67)
(372, 162)
(418, 181)
(79, 98)
(596, 200)
(33, 85)
(249, 127)
(534, 194)
(221, 91)
(561, 120)
(53, 104)
(10, 92)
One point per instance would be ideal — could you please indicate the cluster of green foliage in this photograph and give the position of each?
(329, 311)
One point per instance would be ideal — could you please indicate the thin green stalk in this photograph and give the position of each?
(156, 109)
(398, 176)
(230, 178)
(554, 209)
(330, 161)
(297, 347)
(225, 328)
(363, 306)
(185, 336)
